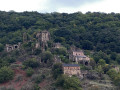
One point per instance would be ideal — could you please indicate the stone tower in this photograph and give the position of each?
(43, 37)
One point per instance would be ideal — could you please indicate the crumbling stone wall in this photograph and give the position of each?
(10, 47)
(43, 37)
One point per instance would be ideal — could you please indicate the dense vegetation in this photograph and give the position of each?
(91, 31)
(6, 74)
(97, 33)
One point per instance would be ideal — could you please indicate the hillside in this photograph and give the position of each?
(34, 47)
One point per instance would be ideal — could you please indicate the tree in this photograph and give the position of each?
(113, 55)
(46, 56)
(29, 72)
(117, 79)
(57, 70)
(61, 51)
(68, 83)
(1, 47)
(101, 62)
(100, 71)
(33, 63)
(6, 74)
(112, 73)
(118, 59)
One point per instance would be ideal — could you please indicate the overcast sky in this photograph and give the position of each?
(68, 6)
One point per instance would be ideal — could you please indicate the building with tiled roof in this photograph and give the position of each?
(72, 69)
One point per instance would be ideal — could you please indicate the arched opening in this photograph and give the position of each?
(86, 63)
(16, 46)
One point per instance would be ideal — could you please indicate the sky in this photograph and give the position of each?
(62, 6)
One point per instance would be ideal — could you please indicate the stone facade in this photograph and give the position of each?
(10, 48)
(72, 69)
(82, 59)
(79, 57)
(37, 45)
(57, 45)
(43, 37)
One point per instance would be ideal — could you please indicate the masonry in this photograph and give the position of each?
(79, 57)
(43, 37)
(10, 47)
(72, 69)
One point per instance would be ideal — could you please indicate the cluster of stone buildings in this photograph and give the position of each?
(78, 57)
(75, 55)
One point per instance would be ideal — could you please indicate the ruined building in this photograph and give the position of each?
(43, 37)
(57, 45)
(72, 69)
(77, 55)
(10, 48)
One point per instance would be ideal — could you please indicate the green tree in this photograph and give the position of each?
(101, 62)
(33, 63)
(29, 72)
(57, 70)
(100, 71)
(6, 74)
(117, 79)
(1, 47)
(68, 83)
(46, 56)
(112, 73)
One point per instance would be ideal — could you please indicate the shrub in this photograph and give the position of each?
(57, 70)
(6, 74)
(29, 72)
(33, 63)
(37, 51)
(68, 83)
(36, 87)
(1, 47)
(46, 56)
(37, 78)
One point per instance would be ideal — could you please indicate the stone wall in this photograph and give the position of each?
(10, 47)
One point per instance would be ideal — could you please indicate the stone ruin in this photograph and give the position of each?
(42, 38)
(77, 55)
(57, 45)
(72, 69)
(10, 47)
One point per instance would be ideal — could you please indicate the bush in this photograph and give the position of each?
(37, 78)
(29, 72)
(114, 76)
(46, 57)
(3, 63)
(68, 83)
(36, 87)
(33, 63)
(57, 70)
(1, 47)
(6, 74)
(37, 51)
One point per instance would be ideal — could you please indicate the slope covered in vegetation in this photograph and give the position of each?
(96, 33)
